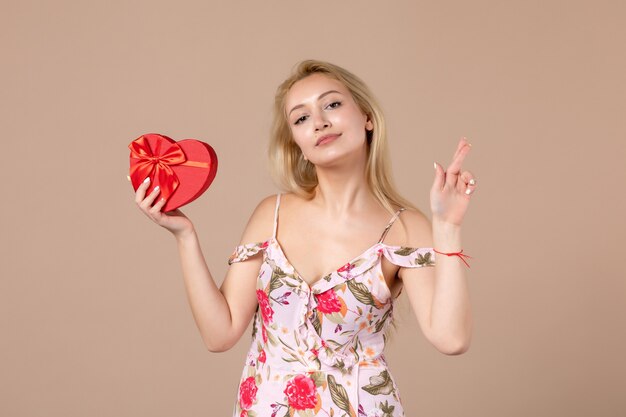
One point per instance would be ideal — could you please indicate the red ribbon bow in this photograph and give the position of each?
(156, 165)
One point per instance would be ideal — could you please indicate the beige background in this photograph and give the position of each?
(94, 318)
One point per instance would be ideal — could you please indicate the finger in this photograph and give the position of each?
(156, 209)
(440, 177)
(467, 184)
(462, 142)
(141, 190)
(455, 167)
(147, 202)
(470, 190)
(468, 178)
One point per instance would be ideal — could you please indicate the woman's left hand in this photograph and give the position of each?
(452, 189)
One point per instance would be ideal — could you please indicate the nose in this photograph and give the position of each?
(321, 122)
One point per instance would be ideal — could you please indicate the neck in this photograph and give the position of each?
(342, 189)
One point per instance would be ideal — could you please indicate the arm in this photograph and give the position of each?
(440, 295)
(221, 314)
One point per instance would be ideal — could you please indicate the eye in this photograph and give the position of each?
(299, 120)
(334, 104)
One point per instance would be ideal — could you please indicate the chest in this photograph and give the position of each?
(314, 251)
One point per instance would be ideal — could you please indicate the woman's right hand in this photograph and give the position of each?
(174, 221)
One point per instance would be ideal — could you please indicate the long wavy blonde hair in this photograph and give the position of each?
(287, 164)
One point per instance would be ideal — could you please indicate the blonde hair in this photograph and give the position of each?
(294, 174)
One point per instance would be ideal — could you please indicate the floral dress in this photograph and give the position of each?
(318, 350)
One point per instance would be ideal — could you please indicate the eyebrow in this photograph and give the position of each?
(319, 98)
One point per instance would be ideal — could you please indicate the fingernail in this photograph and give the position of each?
(472, 181)
(435, 165)
(468, 191)
(156, 189)
(128, 178)
(147, 179)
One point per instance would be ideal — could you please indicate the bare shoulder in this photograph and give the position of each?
(417, 229)
(293, 199)
(261, 223)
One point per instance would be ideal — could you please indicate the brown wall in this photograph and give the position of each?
(93, 314)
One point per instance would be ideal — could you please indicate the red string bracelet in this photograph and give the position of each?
(459, 254)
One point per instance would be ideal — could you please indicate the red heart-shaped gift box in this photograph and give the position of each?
(183, 170)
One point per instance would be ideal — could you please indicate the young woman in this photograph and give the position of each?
(325, 260)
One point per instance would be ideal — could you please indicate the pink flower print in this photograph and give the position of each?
(266, 309)
(315, 352)
(262, 357)
(264, 333)
(346, 268)
(247, 393)
(301, 393)
(244, 413)
(327, 302)
(265, 244)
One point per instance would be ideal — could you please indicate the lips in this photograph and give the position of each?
(327, 138)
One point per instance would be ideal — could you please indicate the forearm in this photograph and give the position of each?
(208, 305)
(450, 317)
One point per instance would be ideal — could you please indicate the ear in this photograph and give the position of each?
(369, 125)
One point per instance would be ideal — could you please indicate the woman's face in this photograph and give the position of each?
(325, 121)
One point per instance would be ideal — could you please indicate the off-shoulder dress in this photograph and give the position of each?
(318, 350)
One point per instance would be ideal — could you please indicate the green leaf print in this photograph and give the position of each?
(360, 292)
(383, 320)
(288, 349)
(387, 409)
(358, 262)
(355, 352)
(275, 281)
(424, 260)
(339, 394)
(341, 365)
(318, 364)
(254, 328)
(270, 336)
(404, 251)
(278, 272)
(335, 318)
(379, 384)
(318, 378)
(315, 321)
(334, 344)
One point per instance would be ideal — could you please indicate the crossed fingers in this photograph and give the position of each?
(463, 181)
